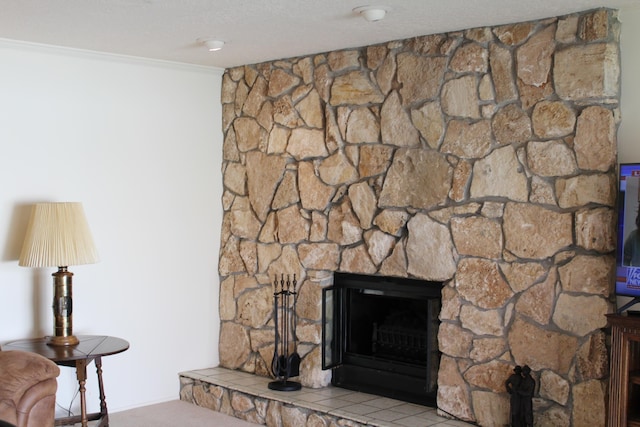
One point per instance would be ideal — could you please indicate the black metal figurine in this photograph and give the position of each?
(285, 364)
(521, 385)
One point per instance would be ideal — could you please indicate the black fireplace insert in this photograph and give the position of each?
(380, 335)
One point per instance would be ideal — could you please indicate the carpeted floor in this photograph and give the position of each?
(175, 413)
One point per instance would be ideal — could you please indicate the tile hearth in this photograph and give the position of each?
(333, 402)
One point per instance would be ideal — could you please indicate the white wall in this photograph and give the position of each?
(629, 131)
(139, 143)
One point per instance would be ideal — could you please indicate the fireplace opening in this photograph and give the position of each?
(380, 336)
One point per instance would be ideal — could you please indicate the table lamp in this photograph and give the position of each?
(58, 236)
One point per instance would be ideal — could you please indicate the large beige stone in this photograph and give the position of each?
(537, 301)
(256, 97)
(337, 169)
(540, 348)
(592, 360)
(580, 315)
(235, 178)
(319, 223)
(344, 227)
(395, 124)
(511, 125)
(499, 175)
(588, 274)
(255, 307)
(319, 256)
(249, 255)
(309, 302)
(581, 190)
(514, 34)
(362, 126)
(459, 97)
(343, 59)
(491, 409)
(589, 404)
(553, 119)
(481, 322)
(535, 232)
(521, 275)
(587, 71)
(595, 141)
(453, 393)
(306, 143)
(420, 77)
(467, 140)
(284, 113)
(280, 82)
(479, 281)
(292, 226)
(416, 178)
(310, 110)
(311, 374)
(314, 194)
(477, 236)
(278, 140)
(429, 121)
(594, 26)
(470, 58)
(227, 299)
(501, 64)
(489, 376)
(554, 387)
(595, 229)
(357, 260)
(234, 346)
(243, 222)
(533, 58)
(386, 73)
(430, 250)
(230, 260)
(396, 263)
(374, 160)
(249, 134)
(453, 340)
(486, 349)
(287, 193)
(287, 263)
(355, 88)
(264, 172)
(266, 254)
(551, 158)
(364, 202)
(391, 221)
(379, 245)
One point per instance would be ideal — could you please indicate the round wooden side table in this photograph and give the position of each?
(90, 348)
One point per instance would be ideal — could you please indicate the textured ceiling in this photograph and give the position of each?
(255, 30)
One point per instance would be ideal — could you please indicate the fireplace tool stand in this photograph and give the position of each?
(285, 364)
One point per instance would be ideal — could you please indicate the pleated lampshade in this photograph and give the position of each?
(58, 235)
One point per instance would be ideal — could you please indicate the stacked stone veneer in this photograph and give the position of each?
(485, 159)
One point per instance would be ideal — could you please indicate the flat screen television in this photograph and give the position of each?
(628, 250)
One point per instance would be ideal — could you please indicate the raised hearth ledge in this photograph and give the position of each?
(246, 396)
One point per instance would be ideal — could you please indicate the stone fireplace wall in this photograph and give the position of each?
(483, 158)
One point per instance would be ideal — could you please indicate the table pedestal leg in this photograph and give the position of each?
(103, 401)
(81, 374)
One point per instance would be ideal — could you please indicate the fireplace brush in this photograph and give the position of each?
(285, 364)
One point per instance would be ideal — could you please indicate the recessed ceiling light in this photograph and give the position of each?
(372, 13)
(212, 44)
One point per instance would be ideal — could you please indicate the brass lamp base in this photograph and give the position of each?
(62, 309)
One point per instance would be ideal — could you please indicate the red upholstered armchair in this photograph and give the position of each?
(27, 389)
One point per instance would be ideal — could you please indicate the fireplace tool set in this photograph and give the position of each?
(285, 363)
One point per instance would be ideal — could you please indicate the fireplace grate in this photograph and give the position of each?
(400, 343)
